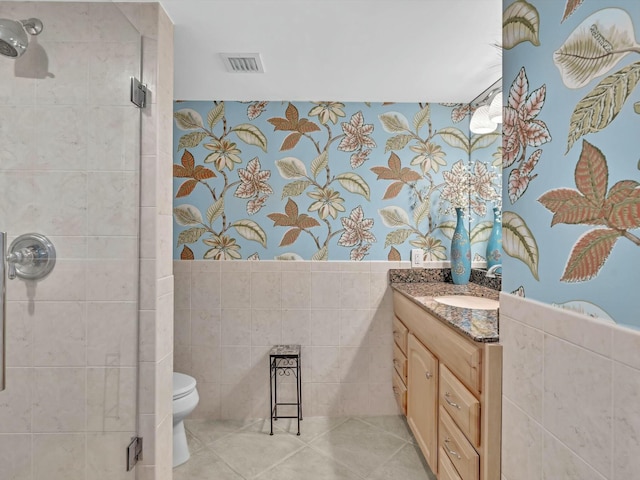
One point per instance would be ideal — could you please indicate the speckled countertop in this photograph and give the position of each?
(479, 325)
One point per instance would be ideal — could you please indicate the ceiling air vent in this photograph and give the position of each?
(243, 62)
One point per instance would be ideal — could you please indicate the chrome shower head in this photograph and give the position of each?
(13, 35)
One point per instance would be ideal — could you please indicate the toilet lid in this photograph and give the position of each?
(182, 385)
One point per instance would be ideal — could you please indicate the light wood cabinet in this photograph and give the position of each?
(400, 362)
(422, 399)
(400, 392)
(457, 448)
(446, 470)
(460, 404)
(453, 390)
(400, 333)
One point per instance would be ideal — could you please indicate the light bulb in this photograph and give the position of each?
(480, 121)
(495, 109)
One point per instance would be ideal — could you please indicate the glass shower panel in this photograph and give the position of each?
(69, 170)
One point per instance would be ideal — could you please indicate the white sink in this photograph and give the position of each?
(468, 301)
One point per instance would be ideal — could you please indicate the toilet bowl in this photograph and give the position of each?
(185, 399)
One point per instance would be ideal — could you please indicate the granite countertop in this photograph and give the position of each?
(479, 325)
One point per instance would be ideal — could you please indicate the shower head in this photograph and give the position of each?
(13, 35)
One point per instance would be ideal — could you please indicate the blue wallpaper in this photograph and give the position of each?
(572, 181)
(328, 180)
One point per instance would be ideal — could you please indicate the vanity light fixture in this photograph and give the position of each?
(480, 121)
(488, 111)
(495, 108)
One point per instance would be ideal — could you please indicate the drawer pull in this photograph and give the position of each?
(428, 375)
(396, 392)
(453, 404)
(451, 452)
(396, 363)
(396, 333)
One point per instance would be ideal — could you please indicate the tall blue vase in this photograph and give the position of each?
(460, 251)
(494, 245)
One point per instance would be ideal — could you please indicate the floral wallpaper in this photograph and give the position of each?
(571, 220)
(329, 180)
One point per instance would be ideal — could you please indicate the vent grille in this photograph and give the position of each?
(243, 62)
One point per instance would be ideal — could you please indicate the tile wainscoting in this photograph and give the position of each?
(571, 394)
(229, 314)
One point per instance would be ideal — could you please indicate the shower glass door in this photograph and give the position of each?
(69, 170)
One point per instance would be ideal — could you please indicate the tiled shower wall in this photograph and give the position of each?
(571, 395)
(229, 314)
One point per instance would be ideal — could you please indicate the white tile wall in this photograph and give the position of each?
(229, 314)
(571, 394)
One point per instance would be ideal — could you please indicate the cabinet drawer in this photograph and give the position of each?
(446, 470)
(400, 333)
(461, 404)
(400, 362)
(457, 448)
(400, 392)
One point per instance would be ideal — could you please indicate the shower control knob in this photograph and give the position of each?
(31, 256)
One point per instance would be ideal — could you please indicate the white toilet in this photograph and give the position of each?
(185, 399)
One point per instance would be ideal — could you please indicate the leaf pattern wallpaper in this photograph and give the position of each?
(329, 180)
(571, 220)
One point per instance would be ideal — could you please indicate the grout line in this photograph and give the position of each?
(390, 458)
(208, 449)
(333, 459)
(298, 450)
(363, 419)
(344, 420)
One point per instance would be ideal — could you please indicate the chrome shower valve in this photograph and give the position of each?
(31, 257)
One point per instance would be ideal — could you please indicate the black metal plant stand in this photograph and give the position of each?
(284, 360)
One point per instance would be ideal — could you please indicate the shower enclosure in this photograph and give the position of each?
(70, 170)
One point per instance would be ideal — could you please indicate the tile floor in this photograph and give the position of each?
(328, 448)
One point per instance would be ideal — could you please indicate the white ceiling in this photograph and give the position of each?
(345, 50)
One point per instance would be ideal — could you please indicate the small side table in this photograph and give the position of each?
(284, 360)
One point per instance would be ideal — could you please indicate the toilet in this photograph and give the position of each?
(185, 399)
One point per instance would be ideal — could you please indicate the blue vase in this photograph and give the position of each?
(494, 245)
(460, 251)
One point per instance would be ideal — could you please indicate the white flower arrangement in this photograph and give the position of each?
(470, 187)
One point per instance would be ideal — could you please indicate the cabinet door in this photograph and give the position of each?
(422, 399)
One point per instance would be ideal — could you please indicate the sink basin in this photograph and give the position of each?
(468, 301)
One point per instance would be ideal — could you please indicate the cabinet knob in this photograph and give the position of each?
(428, 375)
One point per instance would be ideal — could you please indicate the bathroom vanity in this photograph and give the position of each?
(448, 377)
